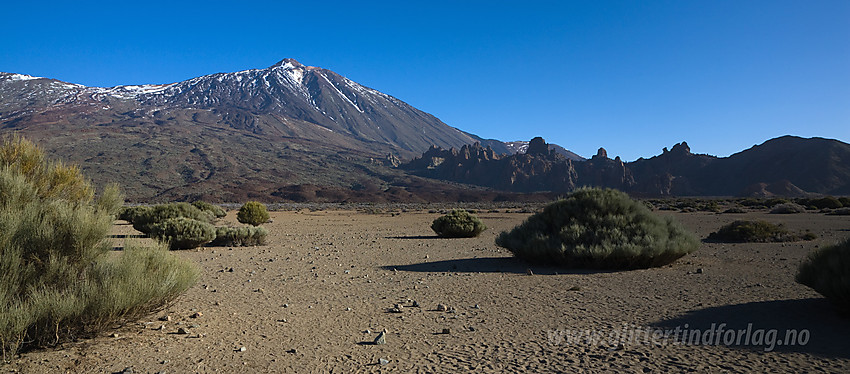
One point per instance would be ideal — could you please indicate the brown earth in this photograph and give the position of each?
(305, 302)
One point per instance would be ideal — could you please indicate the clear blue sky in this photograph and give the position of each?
(630, 76)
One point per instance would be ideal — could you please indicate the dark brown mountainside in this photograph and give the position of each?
(254, 133)
(788, 166)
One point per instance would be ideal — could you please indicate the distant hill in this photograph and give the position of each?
(788, 166)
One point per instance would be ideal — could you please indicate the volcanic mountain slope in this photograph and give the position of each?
(251, 133)
(783, 166)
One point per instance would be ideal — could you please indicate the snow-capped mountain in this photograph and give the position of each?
(230, 136)
(286, 91)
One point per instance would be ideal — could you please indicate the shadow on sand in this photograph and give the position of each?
(827, 330)
(418, 237)
(486, 265)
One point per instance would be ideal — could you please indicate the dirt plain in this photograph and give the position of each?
(316, 297)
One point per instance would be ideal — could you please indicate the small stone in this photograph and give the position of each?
(399, 307)
(114, 335)
(383, 361)
(197, 315)
(182, 331)
(347, 309)
(442, 308)
(415, 304)
(529, 272)
(476, 306)
(381, 339)
(292, 351)
(699, 271)
(160, 328)
(242, 349)
(286, 305)
(447, 331)
(165, 318)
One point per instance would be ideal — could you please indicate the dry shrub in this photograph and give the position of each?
(215, 210)
(602, 229)
(253, 213)
(757, 231)
(146, 219)
(787, 208)
(58, 277)
(827, 271)
(183, 233)
(239, 236)
(458, 224)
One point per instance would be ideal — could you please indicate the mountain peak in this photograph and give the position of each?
(288, 63)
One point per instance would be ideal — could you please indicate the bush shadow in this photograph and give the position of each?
(828, 330)
(487, 265)
(414, 237)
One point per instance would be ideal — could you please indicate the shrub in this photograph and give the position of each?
(603, 229)
(787, 208)
(827, 271)
(58, 277)
(183, 233)
(735, 209)
(239, 236)
(769, 203)
(458, 224)
(145, 220)
(253, 213)
(215, 210)
(840, 212)
(756, 232)
(130, 213)
(845, 201)
(826, 202)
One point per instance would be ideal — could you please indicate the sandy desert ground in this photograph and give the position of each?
(316, 297)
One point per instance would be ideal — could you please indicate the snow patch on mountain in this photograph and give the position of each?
(20, 77)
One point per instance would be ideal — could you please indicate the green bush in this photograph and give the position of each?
(253, 213)
(183, 233)
(840, 212)
(146, 219)
(458, 224)
(826, 202)
(130, 213)
(845, 201)
(58, 276)
(769, 203)
(787, 208)
(742, 231)
(215, 210)
(602, 229)
(239, 236)
(735, 209)
(827, 271)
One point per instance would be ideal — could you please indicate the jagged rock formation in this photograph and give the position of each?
(786, 166)
(520, 147)
(539, 169)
